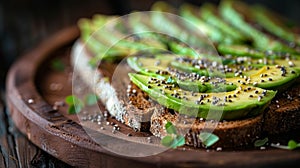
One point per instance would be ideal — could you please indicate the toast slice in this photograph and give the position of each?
(134, 108)
(131, 108)
(231, 133)
(283, 114)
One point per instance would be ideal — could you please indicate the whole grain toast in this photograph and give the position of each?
(133, 107)
(231, 133)
(283, 114)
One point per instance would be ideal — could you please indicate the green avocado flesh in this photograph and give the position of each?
(242, 102)
(198, 74)
(235, 13)
(181, 84)
(179, 67)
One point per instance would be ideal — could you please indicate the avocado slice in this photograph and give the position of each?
(236, 13)
(244, 50)
(110, 48)
(209, 13)
(266, 19)
(240, 103)
(161, 67)
(191, 13)
(274, 77)
(202, 75)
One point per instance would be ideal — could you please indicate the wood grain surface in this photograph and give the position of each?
(16, 150)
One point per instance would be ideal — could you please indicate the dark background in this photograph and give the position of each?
(24, 23)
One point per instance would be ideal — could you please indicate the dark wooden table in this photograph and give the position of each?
(16, 150)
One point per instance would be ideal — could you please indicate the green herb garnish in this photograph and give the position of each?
(208, 139)
(170, 128)
(291, 145)
(58, 65)
(261, 142)
(75, 104)
(91, 99)
(172, 140)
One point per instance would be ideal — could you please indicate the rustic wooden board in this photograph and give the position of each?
(63, 137)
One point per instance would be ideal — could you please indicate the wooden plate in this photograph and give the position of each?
(30, 97)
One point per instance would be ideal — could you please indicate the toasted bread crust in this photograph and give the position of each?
(231, 133)
(113, 92)
(284, 112)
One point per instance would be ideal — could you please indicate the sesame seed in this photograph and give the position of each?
(149, 139)
(219, 149)
(30, 101)
(291, 64)
(262, 148)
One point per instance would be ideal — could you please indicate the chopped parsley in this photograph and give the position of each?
(261, 142)
(58, 65)
(208, 139)
(172, 140)
(290, 146)
(76, 104)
